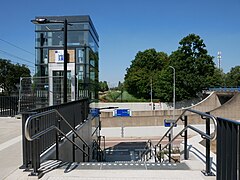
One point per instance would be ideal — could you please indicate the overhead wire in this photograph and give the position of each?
(14, 56)
(17, 46)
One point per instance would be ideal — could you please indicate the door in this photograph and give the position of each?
(56, 83)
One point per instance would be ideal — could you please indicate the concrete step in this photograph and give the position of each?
(124, 165)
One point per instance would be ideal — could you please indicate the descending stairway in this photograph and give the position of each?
(124, 166)
(125, 151)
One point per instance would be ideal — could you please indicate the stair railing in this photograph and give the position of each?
(149, 152)
(99, 152)
(36, 136)
(205, 135)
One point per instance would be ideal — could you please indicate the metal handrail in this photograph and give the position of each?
(39, 134)
(99, 149)
(148, 148)
(203, 134)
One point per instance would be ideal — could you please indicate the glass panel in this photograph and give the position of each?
(80, 55)
(42, 70)
(81, 68)
(92, 63)
(42, 56)
(79, 26)
(49, 27)
(80, 76)
(55, 38)
(92, 43)
(75, 38)
(58, 86)
(92, 76)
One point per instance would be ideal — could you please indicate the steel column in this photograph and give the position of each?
(169, 148)
(185, 138)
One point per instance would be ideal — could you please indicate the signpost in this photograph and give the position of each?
(169, 122)
(122, 113)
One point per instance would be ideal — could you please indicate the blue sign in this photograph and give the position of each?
(122, 113)
(95, 112)
(168, 123)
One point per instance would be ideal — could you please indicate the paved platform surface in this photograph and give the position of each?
(11, 158)
(10, 146)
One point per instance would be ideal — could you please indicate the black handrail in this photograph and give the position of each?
(203, 134)
(99, 149)
(39, 134)
(148, 149)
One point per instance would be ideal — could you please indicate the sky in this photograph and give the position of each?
(126, 27)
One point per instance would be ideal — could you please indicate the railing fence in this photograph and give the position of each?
(74, 112)
(8, 105)
(228, 148)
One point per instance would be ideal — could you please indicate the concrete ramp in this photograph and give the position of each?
(209, 103)
(230, 109)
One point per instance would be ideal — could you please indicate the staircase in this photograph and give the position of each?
(122, 161)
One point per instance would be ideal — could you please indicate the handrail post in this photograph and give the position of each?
(73, 148)
(36, 153)
(88, 154)
(150, 150)
(25, 144)
(104, 147)
(35, 158)
(208, 172)
(160, 150)
(155, 151)
(84, 153)
(57, 139)
(185, 138)
(208, 165)
(169, 147)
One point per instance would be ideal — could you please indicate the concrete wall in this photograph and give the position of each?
(209, 103)
(230, 109)
(145, 120)
(212, 104)
(146, 106)
(146, 131)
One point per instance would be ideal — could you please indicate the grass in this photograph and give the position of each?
(116, 96)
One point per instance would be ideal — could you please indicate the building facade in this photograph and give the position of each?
(83, 58)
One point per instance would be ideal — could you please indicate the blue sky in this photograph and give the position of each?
(128, 26)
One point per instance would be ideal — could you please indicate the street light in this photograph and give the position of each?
(171, 132)
(174, 101)
(46, 21)
(151, 93)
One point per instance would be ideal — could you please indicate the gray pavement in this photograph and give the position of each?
(11, 158)
(10, 146)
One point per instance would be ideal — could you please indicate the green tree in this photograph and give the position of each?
(194, 67)
(103, 86)
(143, 71)
(217, 80)
(233, 77)
(10, 75)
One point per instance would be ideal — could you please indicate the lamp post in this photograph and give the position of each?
(174, 101)
(151, 93)
(171, 132)
(46, 21)
(65, 63)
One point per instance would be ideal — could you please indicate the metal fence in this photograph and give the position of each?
(74, 112)
(8, 105)
(39, 92)
(228, 148)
